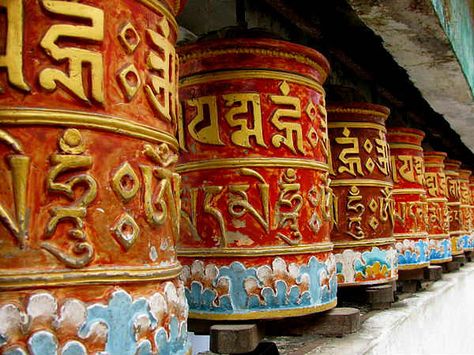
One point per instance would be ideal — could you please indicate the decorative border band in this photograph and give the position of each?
(87, 120)
(437, 199)
(357, 125)
(363, 243)
(408, 191)
(361, 182)
(421, 235)
(251, 162)
(262, 251)
(438, 236)
(158, 7)
(251, 74)
(405, 146)
(357, 111)
(263, 314)
(256, 51)
(414, 266)
(10, 280)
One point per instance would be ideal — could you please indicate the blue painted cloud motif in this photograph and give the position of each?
(439, 249)
(162, 314)
(411, 252)
(260, 289)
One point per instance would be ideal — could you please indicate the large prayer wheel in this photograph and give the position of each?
(362, 185)
(89, 203)
(465, 241)
(438, 212)
(256, 203)
(471, 187)
(409, 194)
(454, 204)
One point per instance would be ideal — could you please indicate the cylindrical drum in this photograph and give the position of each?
(451, 168)
(89, 200)
(438, 213)
(465, 193)
(362, 186)
(471, 187)
(256, 202)
(409, 194)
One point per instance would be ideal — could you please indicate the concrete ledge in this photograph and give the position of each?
(434, 321)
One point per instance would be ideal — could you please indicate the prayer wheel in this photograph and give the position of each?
(465, 242)
(471, 187)
(438, 212)
(256, 203)
(409, 194)
(362, 186)
(454, 205)
(89, 202)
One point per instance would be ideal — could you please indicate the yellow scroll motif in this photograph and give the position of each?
(191, 218)
(245, 113)
(432, 184)
(453, 187)
(386, 203)
(239, 203)
(12, 60)
(210, 192)
(355, 210)
(288, 206)
(411, 169)
(19, 165)
(162, 63)
(71, 160)
(350, 156)
(291, 129)
(206, 114)
(77, 57)
(383, 160)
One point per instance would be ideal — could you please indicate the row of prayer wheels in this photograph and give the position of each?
(267, 198)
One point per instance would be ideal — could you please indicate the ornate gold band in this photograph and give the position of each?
(274, 313)
(441, 261)
(457, 233)
(454, 204)
(251, 74)
(9, 280)
(364, 243)
(438, 236)
(451, 173)
(414, 266)
(361, 182)
(422, 235)
(158, 7)
(405, 146)
(368, 282)
(357, 111)
(465, 206)
(251, 162)
(434, 165)
(48, 117)
(437, 199)
(256, 51)
(357, 125)
(262, 251)
(408, 191)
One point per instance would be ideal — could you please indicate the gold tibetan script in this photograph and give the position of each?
(76, 57)
(349, 156)
(162, 63)
(244, 107)
(12, 60)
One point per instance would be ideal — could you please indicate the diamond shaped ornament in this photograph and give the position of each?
(373, 223)
(368, 146)
(129, 38)
(313, 137)
(126, 231)
(373, 205)
(370, 165)
(129, 81)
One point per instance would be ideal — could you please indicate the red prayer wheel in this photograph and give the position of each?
(438, 212)
(362, 185)
(471, 187)
(466, 202)
(256, 203)
(411, 209)
(454, 204)
(89, 203)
